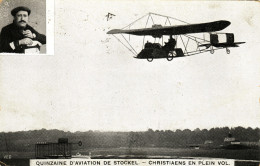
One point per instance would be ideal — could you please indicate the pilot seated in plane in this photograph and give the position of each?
(170, 45)
(19, 37)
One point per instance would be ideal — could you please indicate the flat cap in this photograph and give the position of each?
(20, 8)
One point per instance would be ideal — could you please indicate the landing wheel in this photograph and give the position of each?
(150, 59)
(228, 51)
(170, 56)
(212, 51)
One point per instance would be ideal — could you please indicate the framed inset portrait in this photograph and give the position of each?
(27, 27)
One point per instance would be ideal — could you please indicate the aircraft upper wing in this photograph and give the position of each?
(158, 31)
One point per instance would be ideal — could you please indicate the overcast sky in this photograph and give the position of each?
(93, 83)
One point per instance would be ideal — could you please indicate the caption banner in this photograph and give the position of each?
(132, 162)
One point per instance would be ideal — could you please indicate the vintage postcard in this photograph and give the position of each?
(130, 83)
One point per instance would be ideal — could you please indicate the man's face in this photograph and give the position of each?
(21, 18)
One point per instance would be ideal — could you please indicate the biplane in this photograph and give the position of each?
(176, 33)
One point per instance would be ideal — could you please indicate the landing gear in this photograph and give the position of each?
(170, 56)
(212, 50)
(149, 59)
(228, 51)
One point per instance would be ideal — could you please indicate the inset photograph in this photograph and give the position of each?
(24, 27)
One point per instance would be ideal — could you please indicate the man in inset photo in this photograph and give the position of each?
(19, 36)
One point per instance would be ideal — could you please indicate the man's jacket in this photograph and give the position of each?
(12, 33)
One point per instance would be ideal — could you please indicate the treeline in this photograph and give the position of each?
(26, 140)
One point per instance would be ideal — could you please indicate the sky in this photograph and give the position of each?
(94, 83)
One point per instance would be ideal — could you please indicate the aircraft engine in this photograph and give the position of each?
(157, 26)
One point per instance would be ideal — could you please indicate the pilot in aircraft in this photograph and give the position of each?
(170, 45)
(19, 37)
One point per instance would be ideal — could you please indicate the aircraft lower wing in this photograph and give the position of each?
(158, 31)
(224, 45)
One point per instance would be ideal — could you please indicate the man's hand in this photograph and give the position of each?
(25, 41)
(29, 34)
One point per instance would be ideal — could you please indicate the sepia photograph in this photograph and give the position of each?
(144, 83)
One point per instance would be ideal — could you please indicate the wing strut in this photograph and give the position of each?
(125, 45)
(149, 15)
(184, 45)
(129, 44)
(135, 21)
(169, 17)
